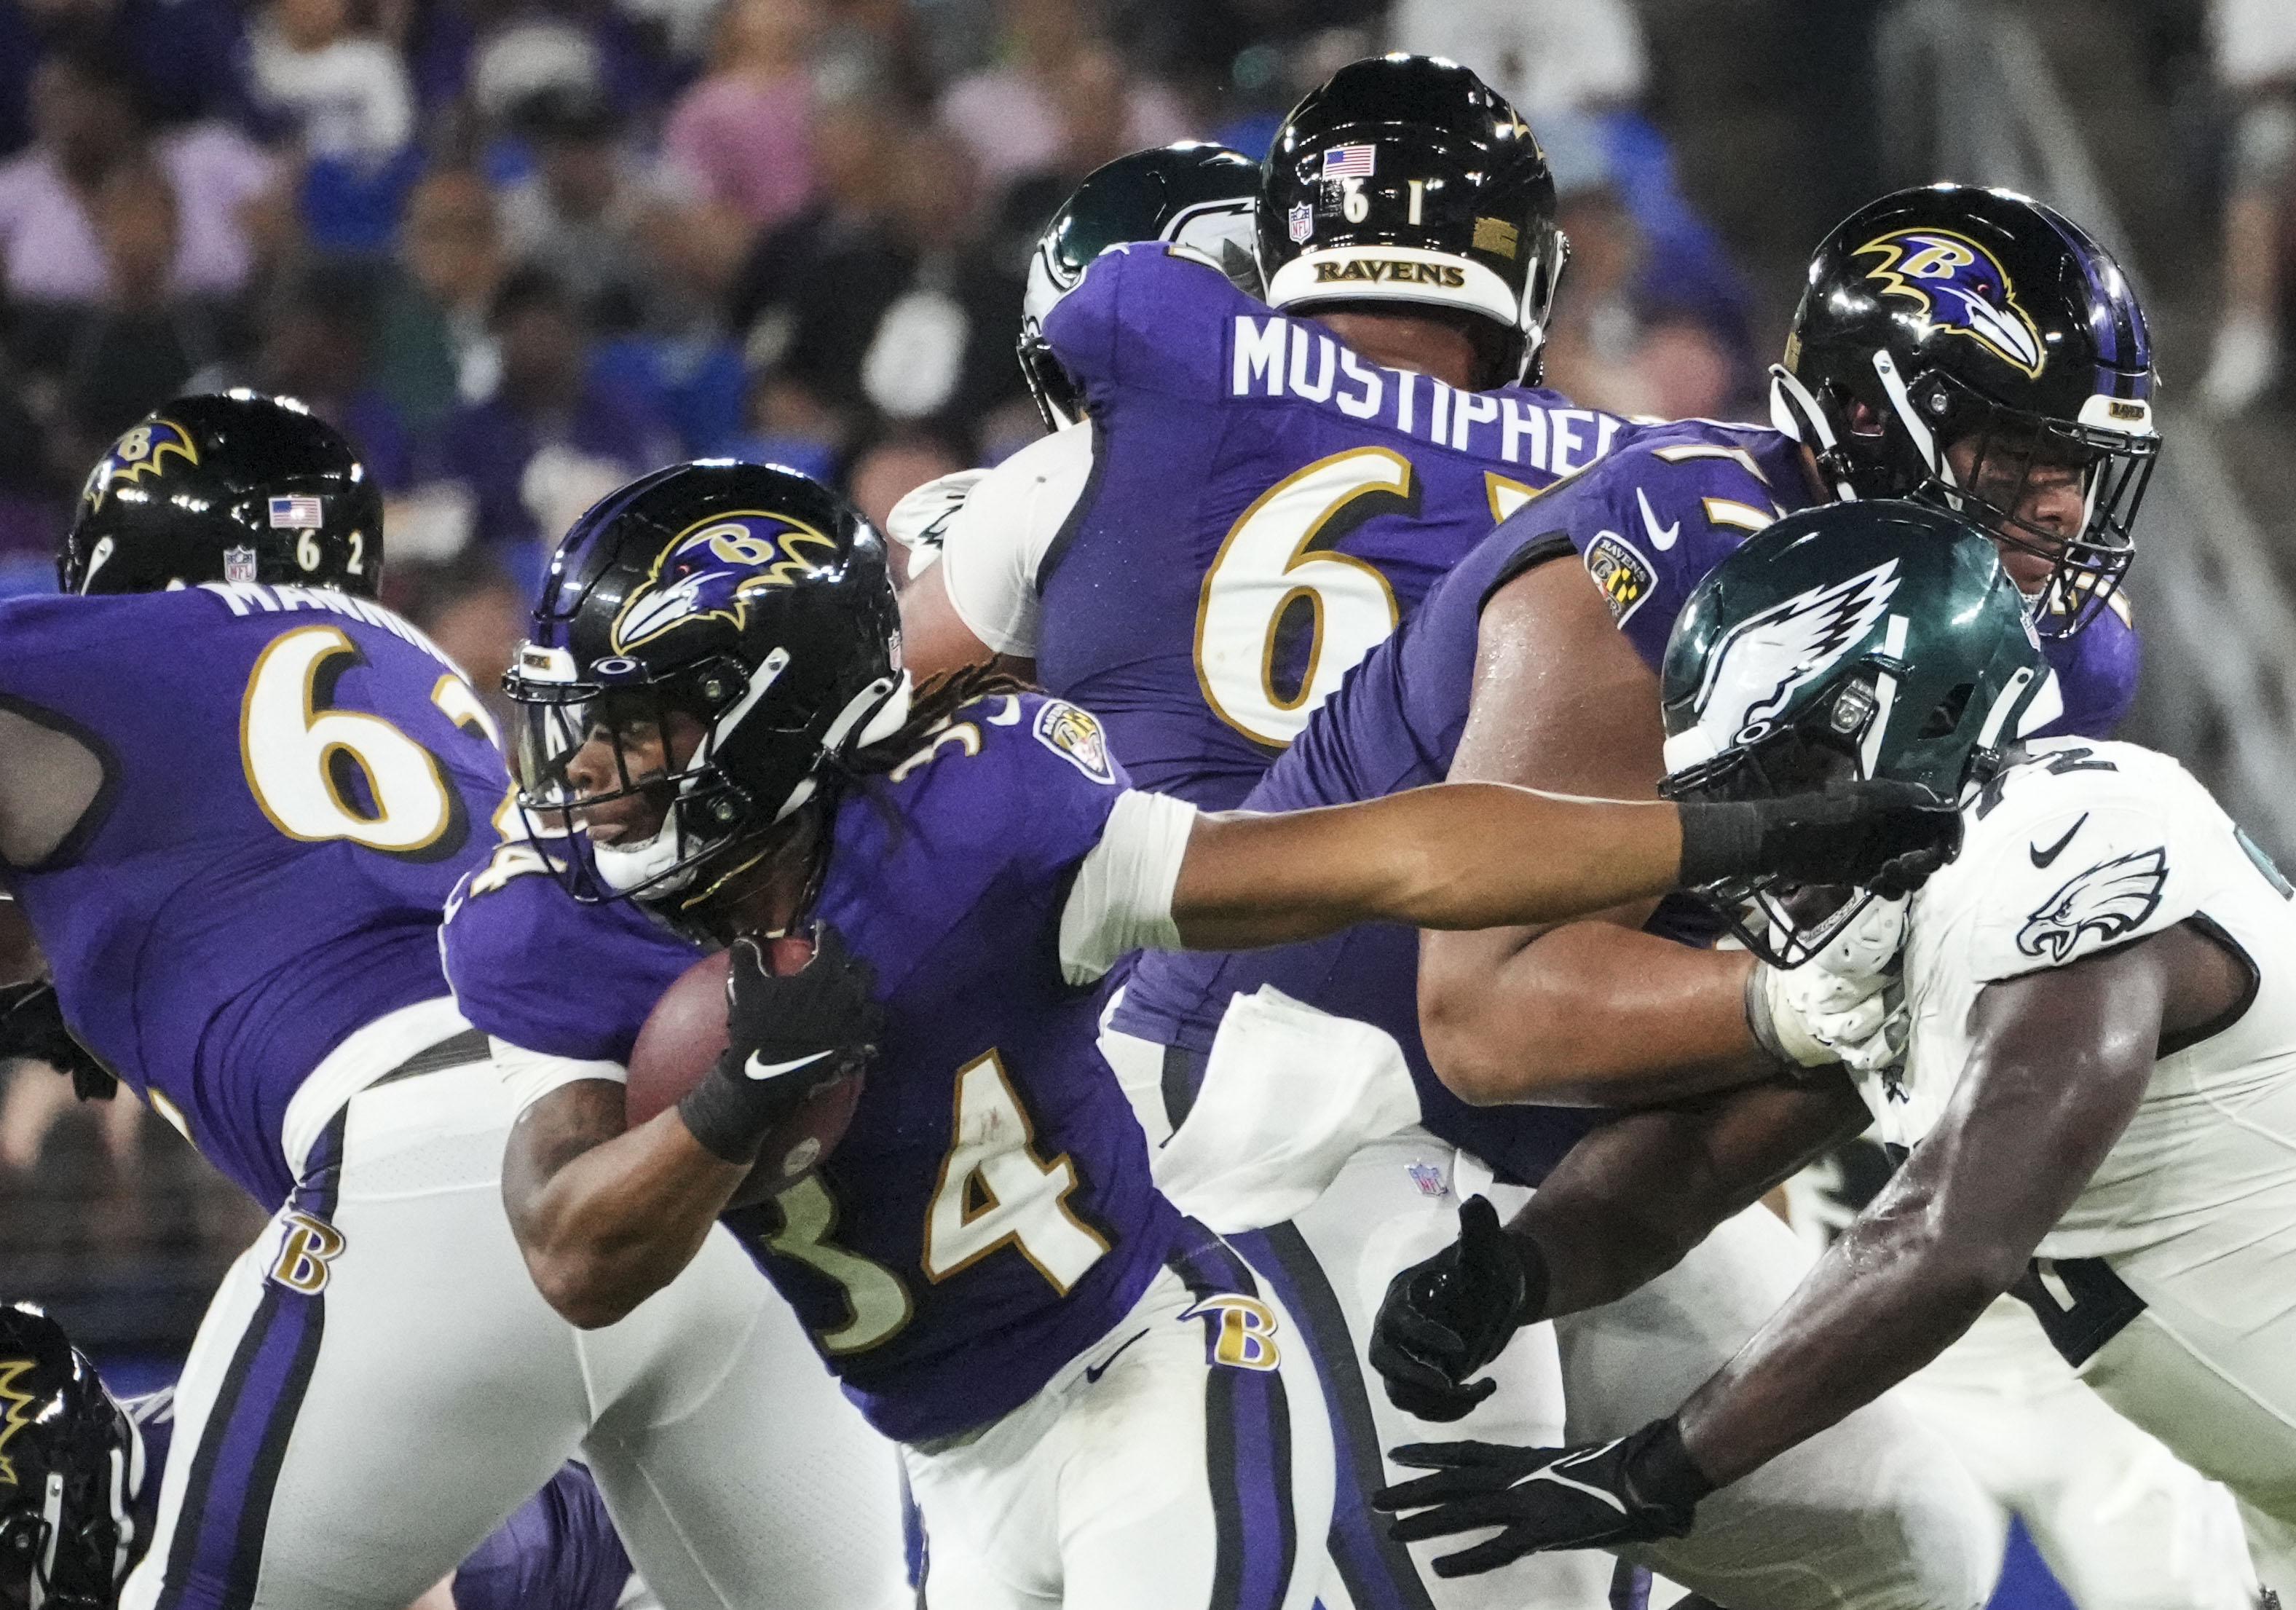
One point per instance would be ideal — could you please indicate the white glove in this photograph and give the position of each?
(1840, 1006)
(921, 520)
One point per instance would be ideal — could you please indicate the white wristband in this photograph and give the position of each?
(1123, 897)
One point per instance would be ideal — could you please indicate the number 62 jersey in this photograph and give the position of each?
(231, 814)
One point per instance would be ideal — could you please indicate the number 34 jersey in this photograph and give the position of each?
(232, 814)
(988, 1213)
(1265, 506)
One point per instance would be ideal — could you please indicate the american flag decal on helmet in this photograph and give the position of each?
(295, 514)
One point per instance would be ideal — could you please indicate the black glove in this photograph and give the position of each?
(32, 1025)
(1888, 837)
(1638, 1488)
(1446, 1319)
(786, 1038)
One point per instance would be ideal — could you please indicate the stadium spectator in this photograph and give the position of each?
(740, 137)
(681, 359)
(87, 124)
(582, 210)
(136, 348)
(1015, 118)
(884, 301)
(553, 437)
(317, 334)
(1546, 56)
(2256, 66)
(472, 608)
(342, 99)
(435, 349)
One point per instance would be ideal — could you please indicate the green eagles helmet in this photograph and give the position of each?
(1199, 196)
(1856, 640)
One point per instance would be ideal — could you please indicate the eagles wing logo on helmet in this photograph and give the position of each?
(715, 568)
(140, 451)
(1962, 288)
(2109, 899)
(15, 1409)
(1766, 657)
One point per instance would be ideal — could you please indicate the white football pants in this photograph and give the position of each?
(1873, 1515)
(377, 1385)
(2121, 1522)
(1183, 1462)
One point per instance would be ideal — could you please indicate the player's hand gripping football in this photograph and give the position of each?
(32, 1025)
(787, 1036)
(1444, 1320)
(1843, 1005)
(1631, 1490)
(1884, 837)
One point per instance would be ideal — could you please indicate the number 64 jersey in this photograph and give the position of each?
(231, 814)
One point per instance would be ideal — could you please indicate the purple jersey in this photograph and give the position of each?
(1648, 524)
(284, 784)
(1265, 505)
(988, 1213)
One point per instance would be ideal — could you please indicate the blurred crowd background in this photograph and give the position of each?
(521, 250)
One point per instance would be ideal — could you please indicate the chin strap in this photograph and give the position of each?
(1796, 412)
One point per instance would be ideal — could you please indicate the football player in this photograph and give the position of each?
(1518, 670)
(1097, 1401)
(240, 794)
(2101, 1069)
(80, 1489)
(1246, 495)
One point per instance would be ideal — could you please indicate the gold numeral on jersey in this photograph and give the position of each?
(300, 756)
(876, 1303)
(1279, 560)
(994, 1191)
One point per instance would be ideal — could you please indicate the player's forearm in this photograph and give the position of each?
(1587, 1014)
(1452, 855)
(1632, 1199)
(606, 1216)
(1899, 1286)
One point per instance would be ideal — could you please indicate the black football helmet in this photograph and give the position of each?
(1408, 179)
(68, 1472)
(746, 605)
(227, 487)
(1953, 316)
(1197, 195)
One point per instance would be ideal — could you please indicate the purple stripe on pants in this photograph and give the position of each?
(218, 1553)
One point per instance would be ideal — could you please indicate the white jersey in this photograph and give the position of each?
(2080, 847)
(992, 549)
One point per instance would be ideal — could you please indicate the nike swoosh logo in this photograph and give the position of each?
(1550, 1474)
(772, 1070)
(1092, 1372)
(1661, 536)
(2042, 858)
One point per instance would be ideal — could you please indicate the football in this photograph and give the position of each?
(684, 1035)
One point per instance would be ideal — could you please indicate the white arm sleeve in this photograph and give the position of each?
(993, 545)
(1123, 897)
(531, 1075)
